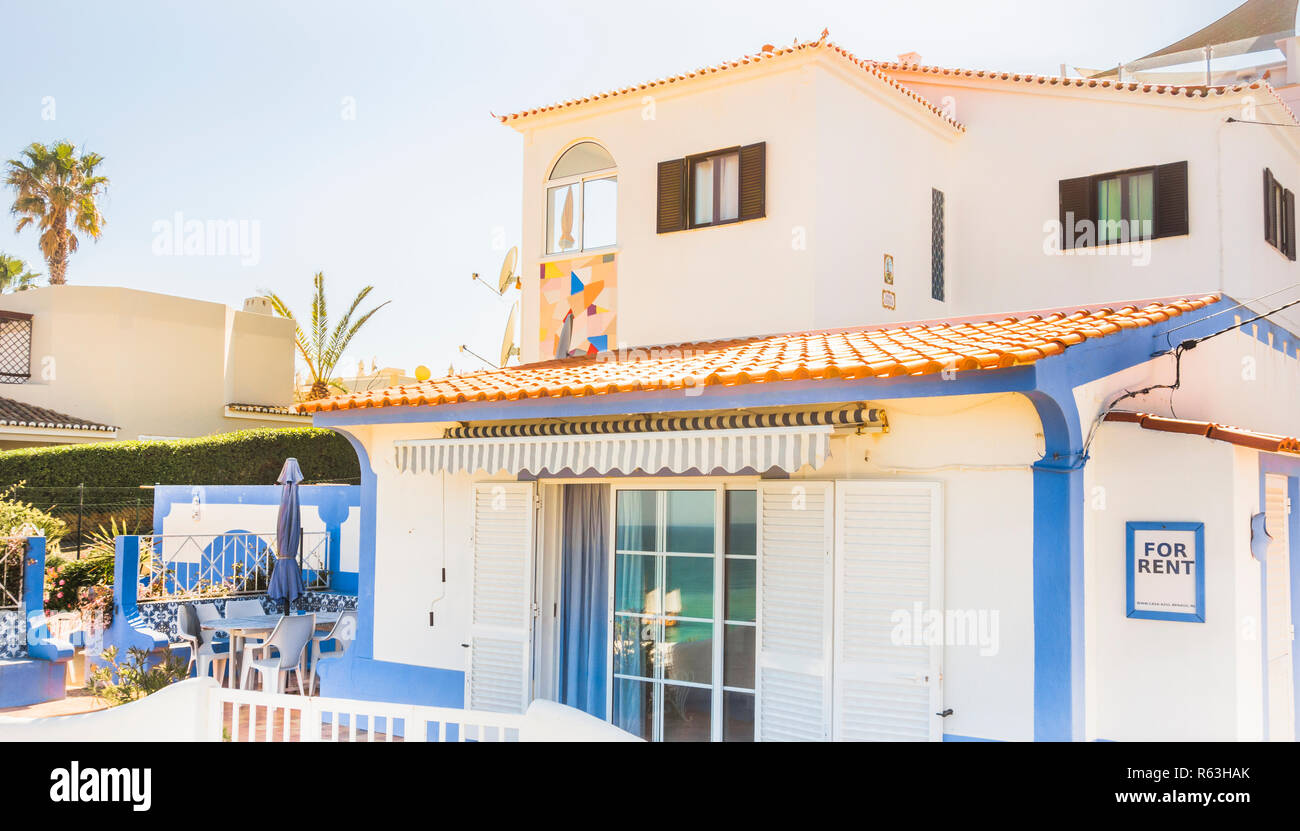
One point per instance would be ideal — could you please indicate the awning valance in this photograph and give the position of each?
(701, 451)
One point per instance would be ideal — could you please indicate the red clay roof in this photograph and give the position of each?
(1233, 435)
(880, 352)
(767, 54)
(1186, 91)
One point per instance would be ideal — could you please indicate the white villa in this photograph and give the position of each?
(864, 400)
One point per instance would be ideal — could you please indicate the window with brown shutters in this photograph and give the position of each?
(720, 187)
(1279, 216)
(1124, 206)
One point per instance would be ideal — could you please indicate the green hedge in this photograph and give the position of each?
(249, 457)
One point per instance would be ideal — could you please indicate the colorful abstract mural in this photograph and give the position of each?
(577, 304)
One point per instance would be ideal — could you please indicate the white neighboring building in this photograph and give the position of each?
(722, 533)
(143, 365)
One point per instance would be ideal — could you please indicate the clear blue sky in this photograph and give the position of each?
(232, 110)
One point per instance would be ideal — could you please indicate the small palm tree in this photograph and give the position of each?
(322, 348)
(58, 191)
(14, 274)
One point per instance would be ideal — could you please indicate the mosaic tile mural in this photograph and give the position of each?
(160, 615)
(579, 295)
(13, 634)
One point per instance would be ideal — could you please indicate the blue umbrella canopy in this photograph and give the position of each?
(286, 578)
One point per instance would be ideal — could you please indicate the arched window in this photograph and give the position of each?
(582, 200)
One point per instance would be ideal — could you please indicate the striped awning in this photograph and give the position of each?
(699, 451)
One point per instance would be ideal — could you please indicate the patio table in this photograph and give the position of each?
(253, 626)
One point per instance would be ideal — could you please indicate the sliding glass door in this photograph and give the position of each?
(683, 614)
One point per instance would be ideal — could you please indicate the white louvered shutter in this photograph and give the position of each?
(1281, 692)
(501, 629)
(888, 577)
(795, 534)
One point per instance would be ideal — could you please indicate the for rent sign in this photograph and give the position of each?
(1166, 579)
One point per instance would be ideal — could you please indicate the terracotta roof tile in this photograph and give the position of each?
(19, 414)
(768, 54)
(1185, 91)
(1253, 439)
(879, 352)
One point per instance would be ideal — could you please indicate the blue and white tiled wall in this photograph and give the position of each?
(13, 634)
(161, 615)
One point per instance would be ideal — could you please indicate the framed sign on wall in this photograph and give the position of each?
(1165, 567)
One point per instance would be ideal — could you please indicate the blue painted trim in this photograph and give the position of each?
(953, 737)
(25, 682)
(366, 679)
(41, 645)
(129, 628)
(364, 645)
(1130, 532)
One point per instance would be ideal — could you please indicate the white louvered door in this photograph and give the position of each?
(888, 578)
(499, 670)
(795, 535)
(1281, 682)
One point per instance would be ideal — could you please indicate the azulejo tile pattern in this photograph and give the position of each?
(13, 634)
(160, 615)
(871, 352)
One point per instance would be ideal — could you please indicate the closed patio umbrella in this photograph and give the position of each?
(286, 577)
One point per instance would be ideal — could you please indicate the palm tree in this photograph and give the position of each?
(322, 348)
(14, 275)
(58, 191)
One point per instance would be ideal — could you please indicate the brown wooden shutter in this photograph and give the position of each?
(1289, 224)
(1171, 200)
(1076, 207)
(1270, 224)
(672, 196)
(753, 181)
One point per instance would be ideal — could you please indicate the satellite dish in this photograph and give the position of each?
(566, 336)
(508, 346)
(508, 271)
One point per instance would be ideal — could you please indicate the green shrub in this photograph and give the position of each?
(249, 457)
(69, 584)
(15, 514)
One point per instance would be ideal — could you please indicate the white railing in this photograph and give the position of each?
(199, 709)
(251, 716)
(180, 566)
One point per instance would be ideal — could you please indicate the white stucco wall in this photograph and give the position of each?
(162, 365)
(1171, 680)
(979, 447)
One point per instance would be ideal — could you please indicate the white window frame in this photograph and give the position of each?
(719, 486)
(580, 180)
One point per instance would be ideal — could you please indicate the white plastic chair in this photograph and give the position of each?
(203, 652)
(342, 633)
(289, 639)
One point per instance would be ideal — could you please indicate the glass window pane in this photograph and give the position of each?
(738, 715)
(583, 157)
(1109, 210)
(1141, 189)
(687, 714)
(634, 707)
(636, 520)
(690, 521)
(635, 586)
(702, 180)
(728, 168)
(688, 586)
(634, 646)
(742, 522)
(738, 656)
(741, 589)
(561, 214)
(687, 651)
(599, 212)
